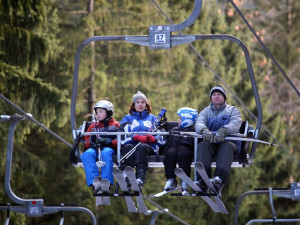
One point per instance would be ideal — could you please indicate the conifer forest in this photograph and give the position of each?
(38, 43)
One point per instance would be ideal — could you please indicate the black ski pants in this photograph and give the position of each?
(179, 155)
(139, 158)
(224, 153)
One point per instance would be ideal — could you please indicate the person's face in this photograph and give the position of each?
(101, 114)
(217, 98)
(140, 105)
(179, 121)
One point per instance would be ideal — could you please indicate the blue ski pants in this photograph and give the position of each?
(89, 158)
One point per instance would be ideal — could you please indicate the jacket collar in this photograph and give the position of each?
(215, 108)
(140, 115)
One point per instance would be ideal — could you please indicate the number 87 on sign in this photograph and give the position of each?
(160, 38)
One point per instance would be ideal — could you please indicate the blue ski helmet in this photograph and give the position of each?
(188, 116)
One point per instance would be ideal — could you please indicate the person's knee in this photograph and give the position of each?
(228, 146)
(170, 153)
(89, 153)
(106, 151)
(204, 145)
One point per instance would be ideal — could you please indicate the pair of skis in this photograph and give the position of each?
(102, 191)
(129, 173)
(216, 203)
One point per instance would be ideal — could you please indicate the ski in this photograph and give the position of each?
(181, 174)
(163, 193)
(201, 170)
(131, 176)
(105, 189)
(118, 174)
(97, 184)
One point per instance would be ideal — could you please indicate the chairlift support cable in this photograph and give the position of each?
(227, 87)
(29, 116)
(265, 48)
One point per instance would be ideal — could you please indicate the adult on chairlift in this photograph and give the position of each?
(215, 122)
(104, 111)
(139, 119)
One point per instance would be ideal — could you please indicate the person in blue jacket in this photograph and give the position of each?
(139, 119)
(215, 122)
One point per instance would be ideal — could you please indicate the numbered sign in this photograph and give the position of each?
(160, 38)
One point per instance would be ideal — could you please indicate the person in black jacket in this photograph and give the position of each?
(180, 149)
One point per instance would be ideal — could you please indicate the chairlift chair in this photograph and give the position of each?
(160, 37)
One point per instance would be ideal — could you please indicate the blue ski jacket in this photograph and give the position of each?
(140, 122)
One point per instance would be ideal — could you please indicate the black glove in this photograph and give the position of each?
(174, 133)
(207, 135)
(94, 145)
(221, 134)
(104, 142)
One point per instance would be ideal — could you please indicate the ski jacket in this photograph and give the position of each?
(140, 122)
(186, 143)
(103, 126)
(214, 118)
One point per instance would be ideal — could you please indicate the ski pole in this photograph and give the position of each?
(128, 154)
(100, 163)
(231, 138)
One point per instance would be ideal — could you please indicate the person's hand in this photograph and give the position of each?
(94, 145)
(104, 142)
(207, 135)
(150, 138)
(140, 138)
(221, 134)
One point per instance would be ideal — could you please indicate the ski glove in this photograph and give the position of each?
(140, 138)
(221, 134)
(207, 135)
(150, 138)
(94, 145)
(104, 142)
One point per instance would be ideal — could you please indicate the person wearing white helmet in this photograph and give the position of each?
(180, 149)
(215, 122)
(105, 122)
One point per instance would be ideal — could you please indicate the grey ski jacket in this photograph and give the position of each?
(214, 118)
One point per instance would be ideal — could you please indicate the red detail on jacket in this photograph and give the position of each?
(113, 127)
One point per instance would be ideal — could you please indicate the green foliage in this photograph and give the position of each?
(38, 41)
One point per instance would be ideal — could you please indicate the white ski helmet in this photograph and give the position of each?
(188, 116)
(105, 105)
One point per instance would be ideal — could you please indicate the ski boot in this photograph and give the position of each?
(96, 186)
(202, 185)
(128, 184)
(140, 184)
(140, 177)
(218, 184)
(184, 188)
(170, 184)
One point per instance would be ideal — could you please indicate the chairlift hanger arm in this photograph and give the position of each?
(189, 21)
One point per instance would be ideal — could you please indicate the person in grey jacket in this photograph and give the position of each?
(215, 122)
